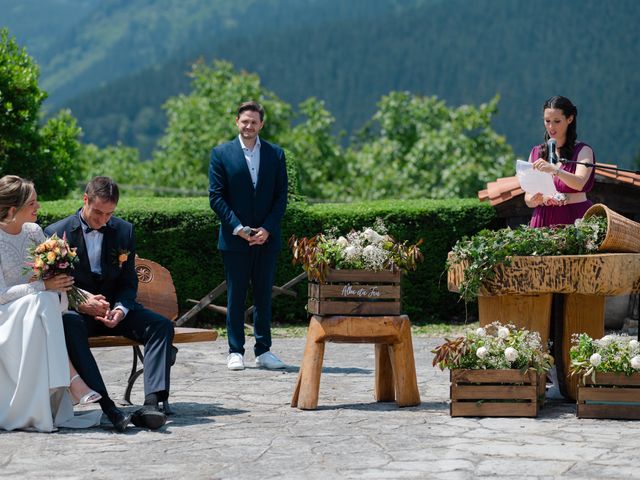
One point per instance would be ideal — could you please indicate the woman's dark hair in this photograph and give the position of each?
(103, 188)
(568, 109)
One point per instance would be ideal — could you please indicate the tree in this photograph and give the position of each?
(418, 147)
(45, 155)
(199, 121)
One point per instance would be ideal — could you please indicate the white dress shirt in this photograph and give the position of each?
(93, 242)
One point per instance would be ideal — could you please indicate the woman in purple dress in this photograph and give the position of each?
(572, 180)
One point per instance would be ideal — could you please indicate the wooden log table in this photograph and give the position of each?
(522, 294)
(395, 371)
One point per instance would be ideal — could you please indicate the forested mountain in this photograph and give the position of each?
(125, 58)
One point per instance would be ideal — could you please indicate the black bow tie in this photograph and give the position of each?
(101, 229)
(88, 229)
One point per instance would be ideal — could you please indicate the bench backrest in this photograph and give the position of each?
(155, 288)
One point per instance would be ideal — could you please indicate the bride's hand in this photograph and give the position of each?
(60, 283)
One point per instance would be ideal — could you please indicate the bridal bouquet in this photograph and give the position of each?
(366, 249)
(495, 346)
(53, 257)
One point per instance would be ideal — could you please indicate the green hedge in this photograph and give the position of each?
(181, 234)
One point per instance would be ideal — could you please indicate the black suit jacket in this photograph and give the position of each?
(118, 283)
(236, 202)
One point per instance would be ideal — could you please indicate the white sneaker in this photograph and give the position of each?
(269, 361)
(235, 361)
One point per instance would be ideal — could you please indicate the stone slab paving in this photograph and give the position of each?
(239, 425)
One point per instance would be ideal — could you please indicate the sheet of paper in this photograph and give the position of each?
(534, 181)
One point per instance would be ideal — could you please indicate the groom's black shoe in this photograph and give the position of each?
(149, 416)
(174, 353)
(119, 419)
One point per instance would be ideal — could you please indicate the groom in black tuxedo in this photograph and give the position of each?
(106, 269)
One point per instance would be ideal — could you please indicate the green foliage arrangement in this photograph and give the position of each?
(366, 249)
(495, 346)
(487, 249)
(47, 155)
(609, 354)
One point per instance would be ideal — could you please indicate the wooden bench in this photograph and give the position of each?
(156, 292)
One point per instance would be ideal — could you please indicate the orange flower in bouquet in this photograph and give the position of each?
(53, 257)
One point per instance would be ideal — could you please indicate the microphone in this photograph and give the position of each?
(553, 154)
(248, 231)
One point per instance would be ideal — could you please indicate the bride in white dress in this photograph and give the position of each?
(35, 372)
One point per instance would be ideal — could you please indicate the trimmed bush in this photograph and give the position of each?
(181, 234)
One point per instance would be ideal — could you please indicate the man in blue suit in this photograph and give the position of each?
(248, 192)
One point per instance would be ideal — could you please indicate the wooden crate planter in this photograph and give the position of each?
(614, 395)
(496, 393)
(355, 292)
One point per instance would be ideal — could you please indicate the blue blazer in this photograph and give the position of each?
(236, 202)
(117, 283)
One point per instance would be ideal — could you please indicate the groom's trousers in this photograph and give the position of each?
(154, 331)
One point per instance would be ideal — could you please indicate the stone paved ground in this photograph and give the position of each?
(239, 425)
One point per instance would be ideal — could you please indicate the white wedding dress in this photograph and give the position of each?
(34, 365)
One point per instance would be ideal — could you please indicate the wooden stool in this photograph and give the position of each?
(395, 377)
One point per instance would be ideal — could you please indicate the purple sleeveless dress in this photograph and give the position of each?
(544, 216)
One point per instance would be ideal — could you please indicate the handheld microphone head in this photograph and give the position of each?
(553, 154)
(246, 230)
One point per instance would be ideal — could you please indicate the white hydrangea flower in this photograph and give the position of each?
(595, 359)
(350, 251)
(481, 332)
(342, 242)
(510, 354)
(606, 340)
(635, 362)
(372, 236)
(481, 352)
(633, 344)
(503, 332)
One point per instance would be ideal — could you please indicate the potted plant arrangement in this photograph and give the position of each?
(496, 371)
(475, 263)
(609, 376)
(358, 273)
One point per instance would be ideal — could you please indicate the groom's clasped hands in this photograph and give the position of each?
(98, 307)
(257, 236)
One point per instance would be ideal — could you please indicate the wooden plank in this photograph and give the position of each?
(596, 394)
(493, 392)
(531, 312)
(189, 335)
(614, 379)
(361, 292)
(493, 376)
(629, 412)
(582, 314)
(489, 409)
(385, 276)
(600, 274)
(182, 335)
(316, 307)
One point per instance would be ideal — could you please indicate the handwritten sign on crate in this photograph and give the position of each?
(355, 292)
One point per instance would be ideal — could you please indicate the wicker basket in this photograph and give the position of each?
(623, 235)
